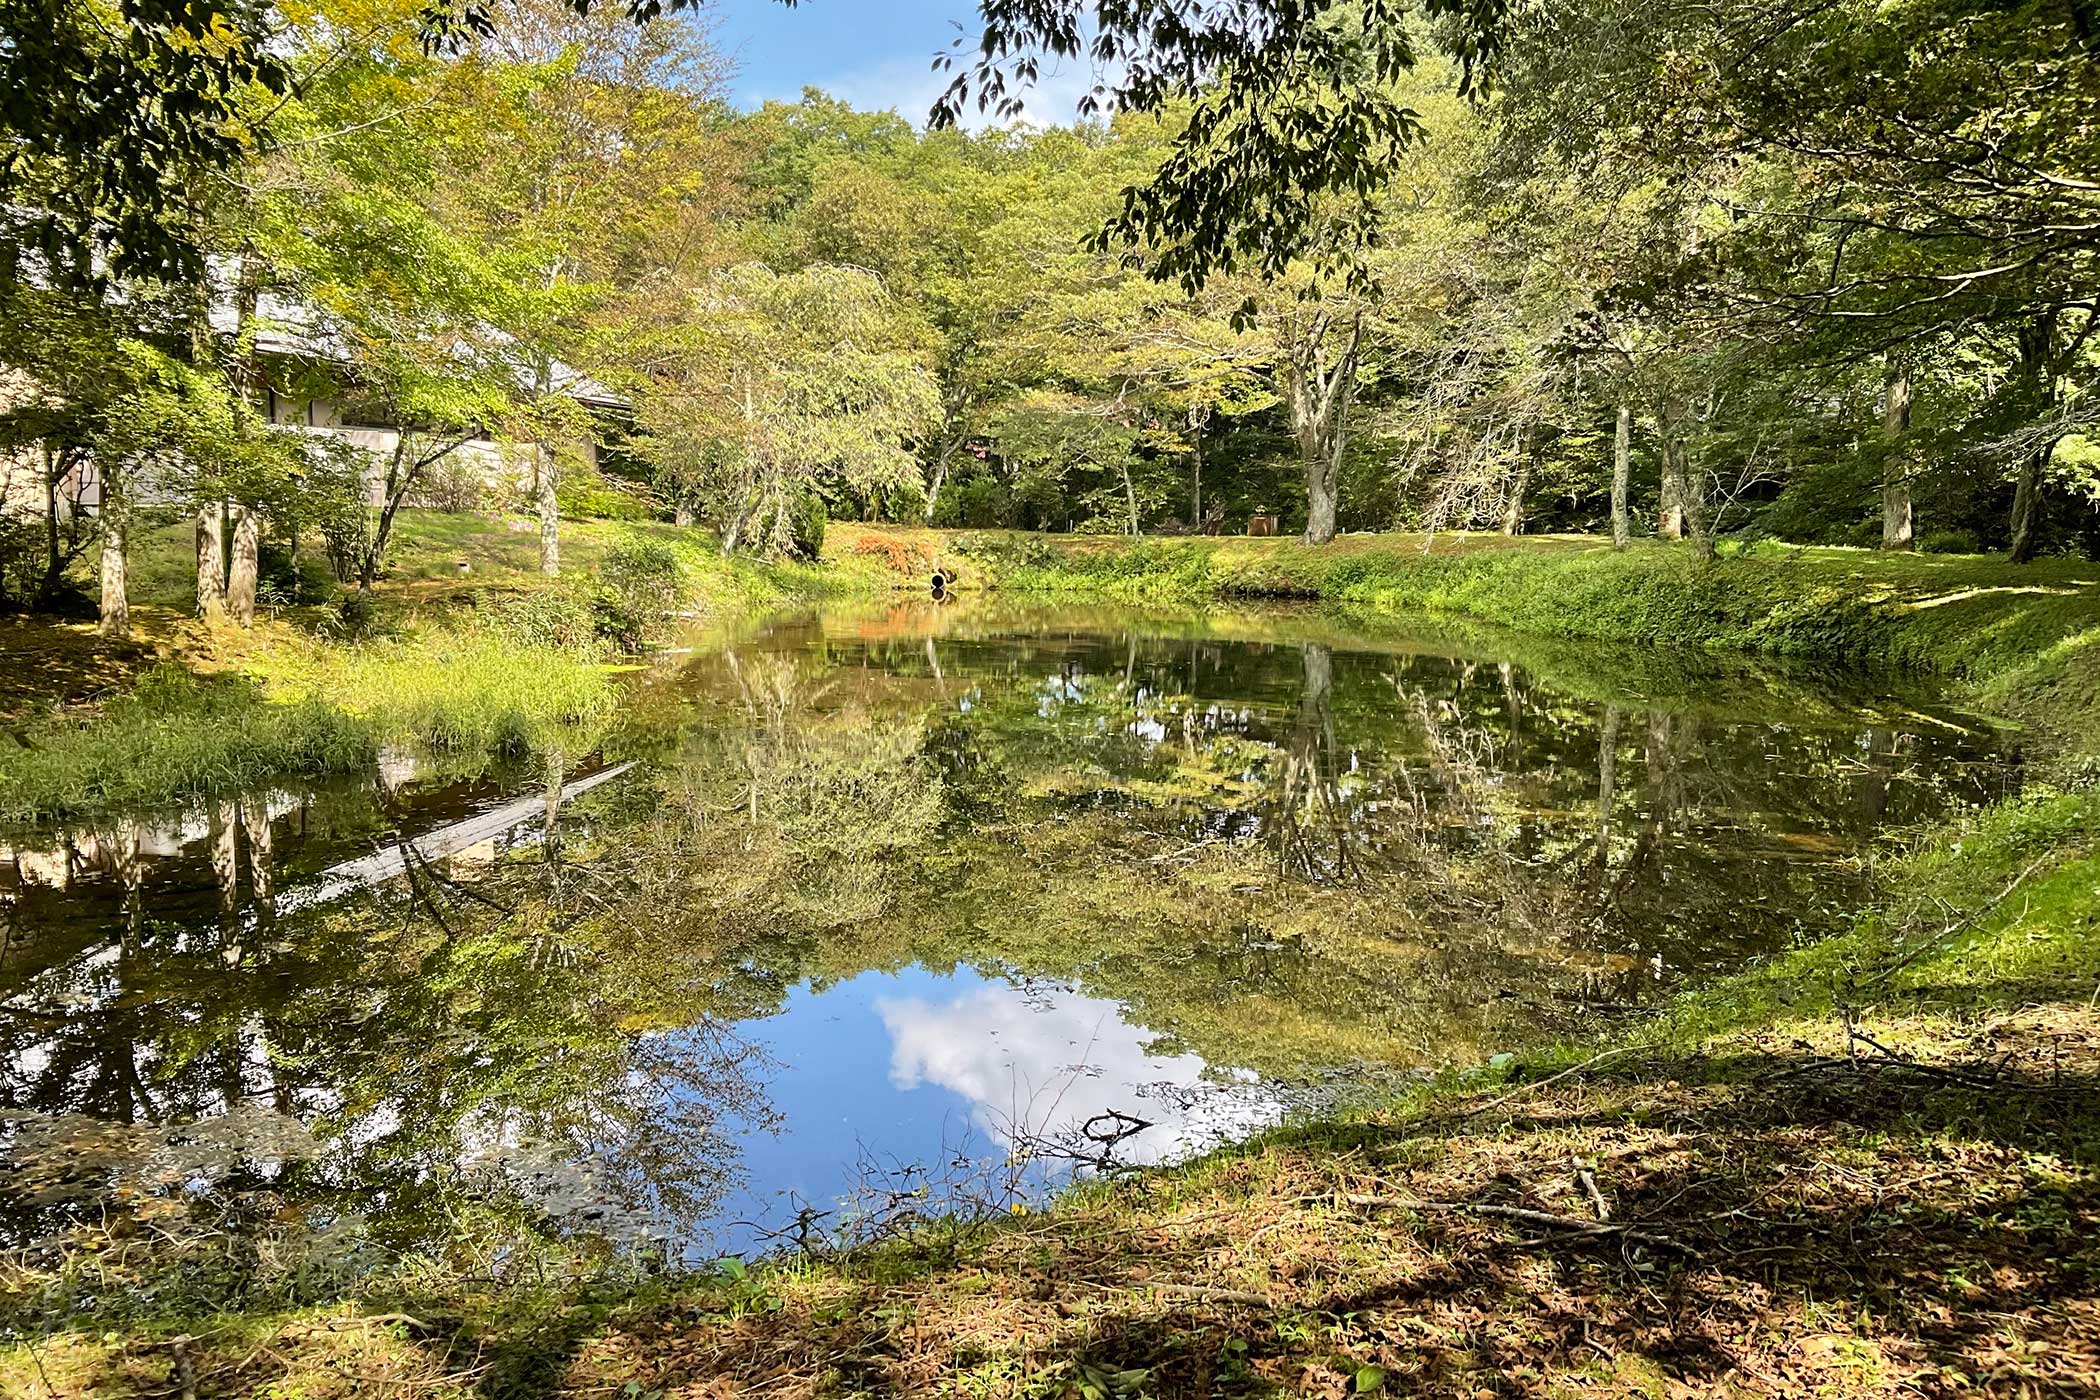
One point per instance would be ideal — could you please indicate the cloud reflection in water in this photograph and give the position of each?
(1037, 1062)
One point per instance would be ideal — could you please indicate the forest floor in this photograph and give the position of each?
(1869, 1167)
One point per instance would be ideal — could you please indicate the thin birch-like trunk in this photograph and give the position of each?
(1513, 508)
(550, 513)
(115, 618)
(211, 559)
(2027, 506)
(1670, 520)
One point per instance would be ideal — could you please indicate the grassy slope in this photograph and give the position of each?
(190, 709)
(1973, 616)
(1842, 1224)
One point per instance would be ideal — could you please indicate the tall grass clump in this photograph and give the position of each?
(176, 735)
(469, 691)
(300, 707)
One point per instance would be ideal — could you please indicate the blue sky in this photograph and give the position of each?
(873, 53)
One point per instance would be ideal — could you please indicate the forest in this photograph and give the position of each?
(1612, 279)
(1269, 698)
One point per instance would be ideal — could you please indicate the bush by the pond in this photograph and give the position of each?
(807, 523)
(638, 583)
(543, 617)
(174, 735)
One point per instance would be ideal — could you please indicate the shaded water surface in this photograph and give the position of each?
(887, 911)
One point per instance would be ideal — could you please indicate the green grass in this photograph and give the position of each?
(1994, 910)
(428, 547)
(458, 670)
(1963, 615)
(294, 707)
(172, 736)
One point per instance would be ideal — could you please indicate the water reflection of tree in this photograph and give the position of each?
(450, 1046)
(1310, 823)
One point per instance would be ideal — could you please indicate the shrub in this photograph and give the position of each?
(637, 584)
(457, 486)
(582, 492)
(285, 579)
(356, 616)
(1950, 542)
(176, 735)
(806, 524)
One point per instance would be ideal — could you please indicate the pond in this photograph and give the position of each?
(878, 912)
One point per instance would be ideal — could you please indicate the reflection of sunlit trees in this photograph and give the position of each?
(786, 813)
(1309, 824)
(424, 1036)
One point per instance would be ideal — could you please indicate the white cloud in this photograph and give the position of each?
(1039, 1062)
(910, 87)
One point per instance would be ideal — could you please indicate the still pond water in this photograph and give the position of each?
(873, 913)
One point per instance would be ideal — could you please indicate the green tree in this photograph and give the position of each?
(784, 384)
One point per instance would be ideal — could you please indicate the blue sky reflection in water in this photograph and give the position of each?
(892, 1083)
(895, 896)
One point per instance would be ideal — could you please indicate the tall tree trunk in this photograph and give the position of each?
(2027, 505)
(2037, 375)
(1321, 507)
(1695, 516)
(116, 599)
(733, 527)
(1621, 479)
(940, 476)
(1129, 495)
(211, 559)
(1196, 471)
(401, 474)
(246, 563)
(1897, 525)
(1670, 427)
(550, 513)
(1319, 399)
(54, 561)
(247, 379)
(1513, 508)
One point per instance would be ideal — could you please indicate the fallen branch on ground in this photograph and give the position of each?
(1569, 1224)
(1201, 1292)
(1542, 1083)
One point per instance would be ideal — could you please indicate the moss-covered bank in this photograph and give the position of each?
(1965, 615)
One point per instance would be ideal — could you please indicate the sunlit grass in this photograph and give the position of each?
(294, 706)
(1975, 617)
